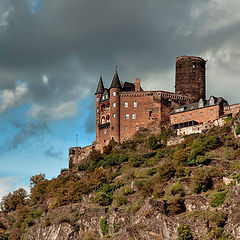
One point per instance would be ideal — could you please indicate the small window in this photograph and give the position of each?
(126, 104)
(125, 128)
(106, 96)
(127, 116)
(114, 115)
(97, 99)
(105, 131)
(114, 94)
(211, 111)
(134, 104)
(133, 116)
(114, 104)
(190, 115)
(194, 66)
(182, 117)
(137, 128)
(175, 119)
(201, 114)
(150, 113)
(97, 110)
(103, 97)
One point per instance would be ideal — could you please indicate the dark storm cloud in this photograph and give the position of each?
(72, 42)
(51, 152)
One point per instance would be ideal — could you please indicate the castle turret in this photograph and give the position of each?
(190, 77)
(115, 107)
(99, 92)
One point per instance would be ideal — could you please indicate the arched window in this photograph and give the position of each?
(103, 120)
(108, 118)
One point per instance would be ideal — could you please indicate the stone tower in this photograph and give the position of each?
(115, 88)
(98, 94)
(190, 77)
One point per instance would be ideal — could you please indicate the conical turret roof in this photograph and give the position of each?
(116, 82)
(100, 88)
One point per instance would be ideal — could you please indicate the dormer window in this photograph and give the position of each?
(211, 101)
(106, 96)
(201, 103)
(103, 97)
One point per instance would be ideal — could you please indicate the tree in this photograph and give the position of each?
(13, 200)
(36, 179)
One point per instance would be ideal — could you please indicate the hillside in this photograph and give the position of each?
(140, 189)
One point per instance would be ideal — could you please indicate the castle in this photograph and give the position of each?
(125, 108)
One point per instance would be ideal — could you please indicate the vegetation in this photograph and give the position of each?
(184, 232)
(126, 176)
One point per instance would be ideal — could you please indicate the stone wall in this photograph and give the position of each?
(78, 155)
(233, 109)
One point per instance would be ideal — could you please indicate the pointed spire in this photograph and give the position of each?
(116, 82)
(100, 88)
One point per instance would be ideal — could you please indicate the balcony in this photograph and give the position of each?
(105, 125)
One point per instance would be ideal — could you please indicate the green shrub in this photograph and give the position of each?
(136, 160)
(237, 131)
(217, 199)
(228, 154)
(104, 226)
(104, 196)
(116, 227)
(177, 189)
(201, 181)
(160, 153)
(237, 154)
(202, 160)
(152, 142)
(114, 159)
(182, 172)
(181, 156)
(175, 206)
(184, 232)
(166, 171)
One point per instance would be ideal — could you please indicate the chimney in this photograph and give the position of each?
(137, 85)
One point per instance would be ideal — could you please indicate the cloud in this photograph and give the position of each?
(45, 80)
(54, 112)
(50, 152)
(24, 130)
(60, 50)
(11, 98)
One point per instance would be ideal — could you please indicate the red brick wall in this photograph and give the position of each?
(206, 115)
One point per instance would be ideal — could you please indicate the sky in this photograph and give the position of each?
(52, 53)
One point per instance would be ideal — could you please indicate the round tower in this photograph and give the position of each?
(115, 107)
(98, 94)
(190, 77)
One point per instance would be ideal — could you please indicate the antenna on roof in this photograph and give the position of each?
(76, 140)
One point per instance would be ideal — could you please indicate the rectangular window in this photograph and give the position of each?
(105, 131)
(175, 119)
(134, 104)
(211, 111)
(114, 93)
(114, 115)
(201, 114)
(125, 128)
(97, 110)
(190, 115)
(137, 128)
(126, 104)
(127, 116)
(103, 97)
(114, 104)
(133, 116)
(182, 117)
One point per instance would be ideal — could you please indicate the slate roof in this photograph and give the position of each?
(195, 105)
(116, 82)
(100, 88)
